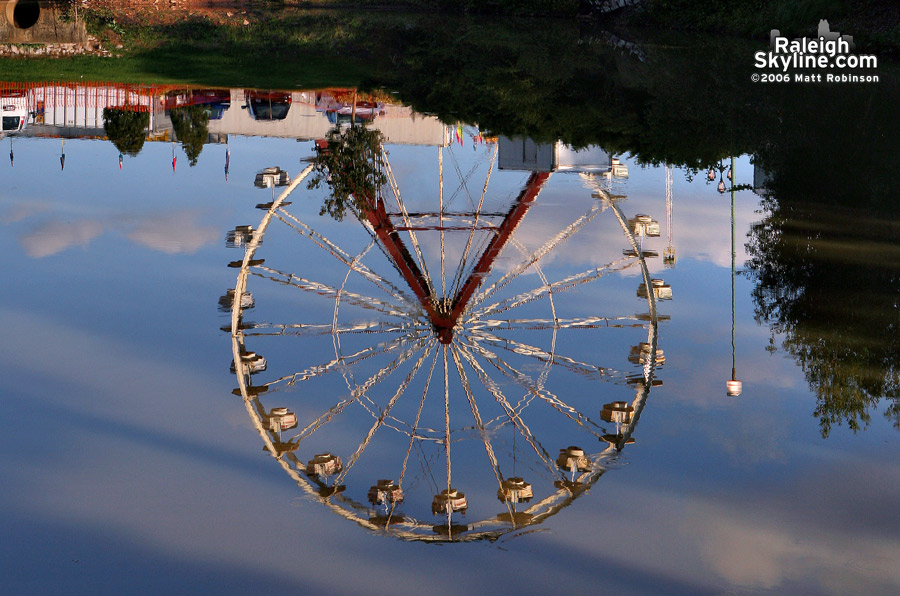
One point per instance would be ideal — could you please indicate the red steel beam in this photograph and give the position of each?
(388, 235)
(392, 243)
(510, 223)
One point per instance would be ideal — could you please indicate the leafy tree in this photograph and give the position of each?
(351, 167)
(829, 290)
(127, 129)
(191, 125)
(824, 257)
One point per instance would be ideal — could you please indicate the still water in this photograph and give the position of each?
(520, 366)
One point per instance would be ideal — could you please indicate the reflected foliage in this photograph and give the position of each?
(826, 256)
(831, 293)
(190, 124)
(827, 291)
(350, 164)
(529, 7)
(656, 97)
(127, 129)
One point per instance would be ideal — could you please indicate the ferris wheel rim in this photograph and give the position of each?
(308, 482)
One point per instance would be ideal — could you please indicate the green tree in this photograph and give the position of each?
(351, 167)
(127, 129)
(825, 256)
(191, 125)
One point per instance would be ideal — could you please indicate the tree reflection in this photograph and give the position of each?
(838, 312)
(191, 128)
(349, 163)
(825, 258)
(127, 129)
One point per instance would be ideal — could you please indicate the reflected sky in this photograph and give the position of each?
(129, 457)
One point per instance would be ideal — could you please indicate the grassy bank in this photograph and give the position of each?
(299, 49)
(686, 100)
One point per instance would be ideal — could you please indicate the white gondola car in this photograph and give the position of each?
(515, 490)
(281, 419)
(251, 363)
(618, 412)
(227, 301)
(384, 492)
(573, 459)
(449, 500)
(661, 290)
(270, 177)
(238, 237)
(324, 464)
(640, 354)
(644, 225)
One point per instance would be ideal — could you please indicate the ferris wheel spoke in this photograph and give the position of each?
(357, 392)
(536, 353)
(562, 285)
(540, 272)
(415, 427)
(306, 329)
(349, 360)
(540, 253)
(536, 390)
(555, 324)
(397, 394)
(463, 180)
(514, 416)
(367, 403)
(447, 416)
(520, 406)
(289, 279)
(395, 189)
(425, 462)
(465, 256)
(341, 255)
(441, 218)
(478, 422)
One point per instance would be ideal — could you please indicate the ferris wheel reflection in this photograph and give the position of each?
(457, 380)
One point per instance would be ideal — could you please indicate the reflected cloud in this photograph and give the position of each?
(178, 233)
(56, 236)
(765, 551)
(791, 539)
(703, 230)
(20, 212)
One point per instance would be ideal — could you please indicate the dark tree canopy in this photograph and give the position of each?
(826, 255)
(191, 125)
(351, 167)
(126, 129)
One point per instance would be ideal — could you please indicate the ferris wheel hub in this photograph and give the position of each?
(445, 335)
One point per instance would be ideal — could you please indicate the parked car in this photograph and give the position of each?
(267, 105)
(15, 114)
(217, 100)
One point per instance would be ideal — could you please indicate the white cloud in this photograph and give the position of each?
(173, 234)
(20, 211)
(56, 236)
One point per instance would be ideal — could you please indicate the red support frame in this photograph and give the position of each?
(389, 237)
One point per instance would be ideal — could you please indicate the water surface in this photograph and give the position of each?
(135, 454)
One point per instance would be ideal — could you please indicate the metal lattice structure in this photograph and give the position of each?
(444, 382)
